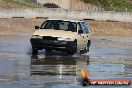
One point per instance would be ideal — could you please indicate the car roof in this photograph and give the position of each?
(71, 20)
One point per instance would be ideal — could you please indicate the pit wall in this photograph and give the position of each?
(62, 13)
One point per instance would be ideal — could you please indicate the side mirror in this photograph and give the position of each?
(80, 31)
(37, 27)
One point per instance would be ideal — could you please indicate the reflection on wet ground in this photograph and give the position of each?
(61, 69)
(109, 58)
(65, 65)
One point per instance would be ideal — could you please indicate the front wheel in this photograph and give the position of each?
(73, 48)
(48, 51)
(34, 51)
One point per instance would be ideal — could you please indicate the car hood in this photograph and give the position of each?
(55, 33)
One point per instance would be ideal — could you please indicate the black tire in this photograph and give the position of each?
(86, 48)
(89, 43)
(34, 51)
(73, 48)
(48, 50)
(34, 57)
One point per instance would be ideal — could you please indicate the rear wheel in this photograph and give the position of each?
(86, 49)
(34, 51)
(88, 46)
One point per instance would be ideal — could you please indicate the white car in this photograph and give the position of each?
(61, 34)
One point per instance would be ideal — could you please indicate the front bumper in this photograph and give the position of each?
(51, 44)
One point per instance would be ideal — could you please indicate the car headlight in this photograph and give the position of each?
(64, 39)
(37, 37)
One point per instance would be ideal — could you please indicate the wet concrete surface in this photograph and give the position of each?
(110, 57)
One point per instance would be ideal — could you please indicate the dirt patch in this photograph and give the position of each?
(19, 25)
(26, 26)
(110, 28)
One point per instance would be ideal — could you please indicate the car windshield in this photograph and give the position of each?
(60, 25)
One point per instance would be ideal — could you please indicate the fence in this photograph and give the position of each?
(62, 13)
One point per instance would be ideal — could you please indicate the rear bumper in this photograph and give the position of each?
(51, 44)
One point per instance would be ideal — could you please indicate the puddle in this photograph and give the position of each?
(109, 58)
